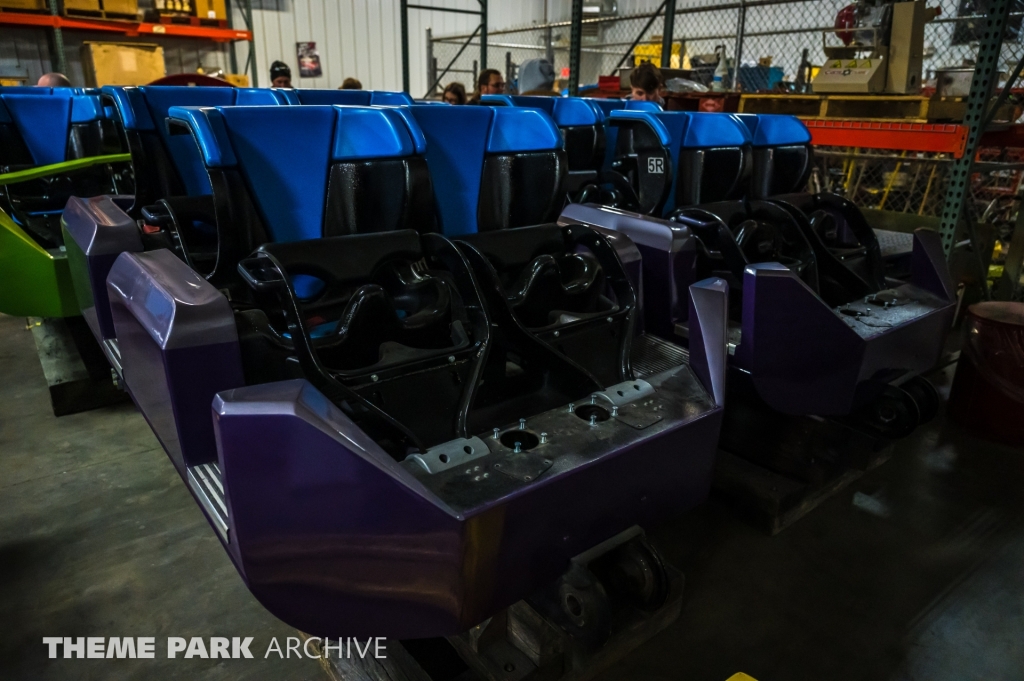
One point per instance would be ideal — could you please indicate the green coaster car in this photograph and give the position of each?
(54, 143)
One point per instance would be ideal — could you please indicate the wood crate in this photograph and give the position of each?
(875, 107)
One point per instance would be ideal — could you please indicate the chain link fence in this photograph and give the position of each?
(765, 41)
(751, 31)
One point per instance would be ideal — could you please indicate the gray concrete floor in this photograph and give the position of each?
(100, 537)
(914, 573)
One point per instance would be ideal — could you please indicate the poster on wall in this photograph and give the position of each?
(309, 60)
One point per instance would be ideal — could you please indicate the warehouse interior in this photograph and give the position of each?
(479, 340)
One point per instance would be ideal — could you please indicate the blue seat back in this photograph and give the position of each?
(458, 142)
(289, 189)
(40, 123)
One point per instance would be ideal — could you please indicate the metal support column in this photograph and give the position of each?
(741, 28)
(481, 30)
(575, 39)
(985, 73)
(666, 36)
(60, 61)
(404, 18)
(431, 63)
(244, 7)
(483, 34)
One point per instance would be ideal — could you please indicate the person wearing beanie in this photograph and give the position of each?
(537, 77)
(280, 75)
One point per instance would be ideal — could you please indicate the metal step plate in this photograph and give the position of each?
(206, 484)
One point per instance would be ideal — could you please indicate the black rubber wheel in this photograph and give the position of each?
(893, 415)
(925, 396)
(637, 574)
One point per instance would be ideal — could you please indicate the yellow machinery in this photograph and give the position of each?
(882, 50)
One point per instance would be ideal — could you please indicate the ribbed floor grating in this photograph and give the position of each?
(651, 355)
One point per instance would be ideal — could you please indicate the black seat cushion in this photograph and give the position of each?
(374, 305)
(546, 284)
(380, 195)
(521, 189)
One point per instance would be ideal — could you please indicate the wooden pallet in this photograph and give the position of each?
(192, 21)
(23, 10)
(773, 501)
(876, 107)
(99, 14)
(76, 370)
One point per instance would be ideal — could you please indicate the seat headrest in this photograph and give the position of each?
(346, 97)
(497, 100)
(608, 105)
(146, 107)
(647, 117)
(707, 130)
(565, 111)
(385, 98)
(258, 96)
(521, 130)
(26, 90)
(690, 130)
(572, 111)
(329, 97)
(775, 130)
(42, 122)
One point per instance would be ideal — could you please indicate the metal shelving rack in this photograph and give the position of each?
(58, 24)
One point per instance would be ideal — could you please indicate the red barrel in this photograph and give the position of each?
(987, 395)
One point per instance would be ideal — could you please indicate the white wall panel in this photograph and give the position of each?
(361, 38)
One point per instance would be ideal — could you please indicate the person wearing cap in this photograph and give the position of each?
(537, 77)
(280, 75)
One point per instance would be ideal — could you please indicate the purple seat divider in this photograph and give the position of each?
(179, 347)
(96, 231)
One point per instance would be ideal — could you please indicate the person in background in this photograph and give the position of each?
(537, 77)
(647, 83)
(454, 93)
(280, 75)
(53, 80)
(351, 84)
(489, 82)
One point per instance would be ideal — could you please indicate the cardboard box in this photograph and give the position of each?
(24, 4)
(126, 7)
(122, 63)
(211, 9)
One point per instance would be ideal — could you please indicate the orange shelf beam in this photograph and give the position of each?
(128, 28)
(935, 137)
